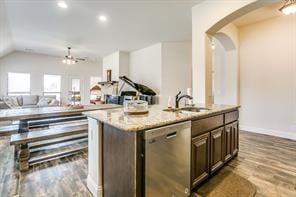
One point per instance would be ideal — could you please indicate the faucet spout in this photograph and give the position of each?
(178, 98)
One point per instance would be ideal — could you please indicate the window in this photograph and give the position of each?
(18, 84)
(52, 86)
(75, 85)
(75, 92)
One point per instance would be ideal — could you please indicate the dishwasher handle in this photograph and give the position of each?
(167, 131)
(171, 135)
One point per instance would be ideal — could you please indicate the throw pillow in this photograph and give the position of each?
(20, 100)
(30, 100)
(44, 101)
(54, 102)
(11, 101)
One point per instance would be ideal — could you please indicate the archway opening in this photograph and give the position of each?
(224, 70)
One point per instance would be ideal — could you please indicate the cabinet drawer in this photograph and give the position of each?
(231, 117)
(203, 125)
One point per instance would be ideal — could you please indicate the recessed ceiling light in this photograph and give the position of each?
(102, 18)
(62, 4)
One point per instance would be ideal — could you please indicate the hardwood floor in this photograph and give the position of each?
(60, 178)
(268, 162)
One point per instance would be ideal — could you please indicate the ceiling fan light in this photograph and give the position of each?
(69, 60)
(289, 7)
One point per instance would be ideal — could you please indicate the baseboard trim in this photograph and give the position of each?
(282, 134)
(97, 191)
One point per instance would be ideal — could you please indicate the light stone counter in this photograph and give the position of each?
(155, 118)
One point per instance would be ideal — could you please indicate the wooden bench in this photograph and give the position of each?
(23, 141)
(8, 130)
(26, 125)
(46, 122)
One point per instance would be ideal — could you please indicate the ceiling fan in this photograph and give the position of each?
(69, 59)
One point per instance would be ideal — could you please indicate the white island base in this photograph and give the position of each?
(94, 177)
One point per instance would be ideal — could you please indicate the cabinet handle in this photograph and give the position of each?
(171, 135)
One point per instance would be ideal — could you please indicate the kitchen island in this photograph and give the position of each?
(117, 147)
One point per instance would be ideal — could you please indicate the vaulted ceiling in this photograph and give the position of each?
(48, 29)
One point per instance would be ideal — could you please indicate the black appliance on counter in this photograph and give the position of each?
(144, 93)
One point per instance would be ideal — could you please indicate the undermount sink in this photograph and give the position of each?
(187, 109)
(194, 109)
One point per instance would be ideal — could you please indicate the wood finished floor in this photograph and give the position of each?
(268, 162)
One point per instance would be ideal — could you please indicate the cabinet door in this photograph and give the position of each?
(200, 158)
(227, 143)
(217, 157)
(235, 138)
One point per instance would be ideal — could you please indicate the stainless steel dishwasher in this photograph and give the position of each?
(167, 161)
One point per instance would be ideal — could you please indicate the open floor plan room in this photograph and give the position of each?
(148, 98)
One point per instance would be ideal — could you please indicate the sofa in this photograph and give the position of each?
(28, 101)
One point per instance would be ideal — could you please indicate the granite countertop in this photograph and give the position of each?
(155, 118)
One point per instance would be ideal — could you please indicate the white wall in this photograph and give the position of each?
(124, 63)
(145, 67)
(6, 42)
(38, 65)
(176, 69)
(118, 62)
(268, 76)
(164, 67)
(226, 66)
(219, 56)
(111, 62)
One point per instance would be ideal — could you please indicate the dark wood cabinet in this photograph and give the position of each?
(217, 156)
(235, 138)
(215, 140)
(227, 143)
(200, 161)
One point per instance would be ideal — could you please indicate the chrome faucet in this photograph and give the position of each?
(178, 98)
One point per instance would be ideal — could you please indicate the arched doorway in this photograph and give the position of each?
(207, 19)
(225, 89)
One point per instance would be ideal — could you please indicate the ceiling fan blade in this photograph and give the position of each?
(81, 59)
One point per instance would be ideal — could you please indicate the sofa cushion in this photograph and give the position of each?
(20, 100)
(30, 100)
(3, 105)
(29, 106)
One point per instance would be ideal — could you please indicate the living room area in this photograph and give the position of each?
(30, 79)
(147, 98)
(56, 64)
